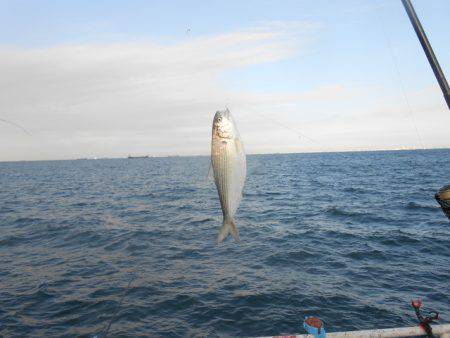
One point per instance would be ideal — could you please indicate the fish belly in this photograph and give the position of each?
(229, 174)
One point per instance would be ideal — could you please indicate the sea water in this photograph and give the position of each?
(348, 237)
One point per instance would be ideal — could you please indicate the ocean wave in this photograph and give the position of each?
(13, 240)
(368, 254)
(356, 215)
(351, 246)
(290, 257)
(419, 206)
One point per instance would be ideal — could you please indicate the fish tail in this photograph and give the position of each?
(228, 226)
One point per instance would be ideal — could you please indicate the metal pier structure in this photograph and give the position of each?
(442, 331)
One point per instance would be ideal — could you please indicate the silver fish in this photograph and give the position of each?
(229, 167)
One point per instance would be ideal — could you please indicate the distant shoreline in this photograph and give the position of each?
(147, 157)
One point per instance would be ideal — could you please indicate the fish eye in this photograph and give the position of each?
(219, 119)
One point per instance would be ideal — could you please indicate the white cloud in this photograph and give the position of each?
(154, 98)
(141, 97)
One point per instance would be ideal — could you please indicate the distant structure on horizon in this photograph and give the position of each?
(135, 157)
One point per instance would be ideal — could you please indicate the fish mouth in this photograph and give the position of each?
(223, 114)
(222, 132)
(222, 124)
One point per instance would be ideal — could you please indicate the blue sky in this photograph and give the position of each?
(332, 70)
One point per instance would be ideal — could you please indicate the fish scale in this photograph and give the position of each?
(223, 172)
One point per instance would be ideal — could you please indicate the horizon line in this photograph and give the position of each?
(249, 154)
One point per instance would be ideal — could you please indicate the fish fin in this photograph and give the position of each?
(228, 226)
(210, 172)
(210, 176)
(238, 145)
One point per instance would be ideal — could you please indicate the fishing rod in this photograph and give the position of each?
(443, 195)
(434, 63)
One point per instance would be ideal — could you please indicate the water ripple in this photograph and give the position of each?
(349, 237)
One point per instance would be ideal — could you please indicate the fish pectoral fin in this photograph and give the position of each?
(210, 175)
(228, 227)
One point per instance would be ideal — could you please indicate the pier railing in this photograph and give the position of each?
(442, 331)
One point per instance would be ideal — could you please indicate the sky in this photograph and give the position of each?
(118, 78)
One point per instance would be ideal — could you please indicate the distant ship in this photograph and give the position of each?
(135, 157)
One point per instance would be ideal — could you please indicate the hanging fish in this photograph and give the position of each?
(229, 168)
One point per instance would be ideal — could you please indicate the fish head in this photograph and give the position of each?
(223, 124)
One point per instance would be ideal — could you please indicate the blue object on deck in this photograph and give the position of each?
(314, 326)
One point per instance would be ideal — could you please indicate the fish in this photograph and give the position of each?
(229, 166)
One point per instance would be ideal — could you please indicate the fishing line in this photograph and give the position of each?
(118, 305)
(399, 78)
(15, 125)
(296, 131)
(299, 134)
